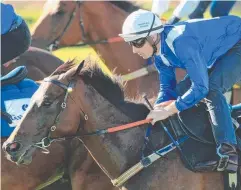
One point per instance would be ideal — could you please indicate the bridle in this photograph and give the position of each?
(55, 43)
(46, 141)
(118, 182)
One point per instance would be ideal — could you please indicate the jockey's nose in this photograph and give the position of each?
(11, 148)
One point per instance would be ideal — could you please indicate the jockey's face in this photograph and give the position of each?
(146, 50)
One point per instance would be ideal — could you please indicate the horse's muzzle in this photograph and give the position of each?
(12, 150)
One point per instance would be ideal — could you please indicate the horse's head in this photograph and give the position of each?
(53, 112)
(60, 23)
(65, 23)
(75, 100)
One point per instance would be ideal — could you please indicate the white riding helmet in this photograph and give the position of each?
(140, 24)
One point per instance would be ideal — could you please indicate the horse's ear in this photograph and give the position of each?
(81, 65)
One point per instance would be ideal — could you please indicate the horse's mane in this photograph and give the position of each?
(110, 87)
(126, 5)
(64, 67)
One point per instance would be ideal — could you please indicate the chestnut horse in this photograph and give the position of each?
(96, 102)
(66, 23)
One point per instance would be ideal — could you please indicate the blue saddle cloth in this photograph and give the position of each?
(16, 92)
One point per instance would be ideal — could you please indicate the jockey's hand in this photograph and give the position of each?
(163, 104)
(158, 114)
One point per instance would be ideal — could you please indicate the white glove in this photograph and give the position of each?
(158, 115)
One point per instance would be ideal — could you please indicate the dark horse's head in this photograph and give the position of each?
(62, 107)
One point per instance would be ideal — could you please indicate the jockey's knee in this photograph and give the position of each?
(196, 14)
(215, 12)
(221, 8)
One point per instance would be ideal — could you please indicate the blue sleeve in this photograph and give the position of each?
(167, 79)
(188, 50)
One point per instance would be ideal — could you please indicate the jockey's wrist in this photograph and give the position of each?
(172, 108)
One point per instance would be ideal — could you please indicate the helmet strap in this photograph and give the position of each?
(153, 44)
(149, 38)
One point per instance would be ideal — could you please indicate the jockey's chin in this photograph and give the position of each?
(144, 56)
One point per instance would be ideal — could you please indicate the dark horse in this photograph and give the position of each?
(76, 100)
(24, 178)
(68, 157)
(83, 173)
(49, 168)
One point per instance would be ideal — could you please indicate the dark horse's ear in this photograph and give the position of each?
(81, 65)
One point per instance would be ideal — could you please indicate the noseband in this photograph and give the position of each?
(55, 44)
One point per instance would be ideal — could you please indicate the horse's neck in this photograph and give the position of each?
(118, 56)
(114, 152)
(106, 24)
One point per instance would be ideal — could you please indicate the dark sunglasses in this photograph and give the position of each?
(138, 43)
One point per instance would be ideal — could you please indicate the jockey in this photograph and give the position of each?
(185, 8)
(192, 9)
(218, 8)
(209, 50)
(15, 34)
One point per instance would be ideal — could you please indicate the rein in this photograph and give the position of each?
(145, 161)
(55, 44)
(46, 141)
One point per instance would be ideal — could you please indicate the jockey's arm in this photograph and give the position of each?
(189, 52)
(184, 9)
(167, 79)
(159, 7)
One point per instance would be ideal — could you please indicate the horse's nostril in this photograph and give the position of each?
(13, 147)
(14, 159)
